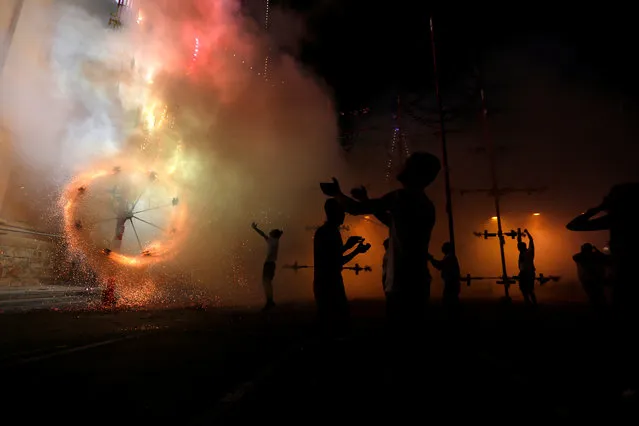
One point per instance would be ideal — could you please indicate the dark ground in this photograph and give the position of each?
(237, 367)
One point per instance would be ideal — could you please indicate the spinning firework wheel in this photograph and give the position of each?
(126, 216)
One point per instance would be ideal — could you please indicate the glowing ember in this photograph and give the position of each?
(153, 222)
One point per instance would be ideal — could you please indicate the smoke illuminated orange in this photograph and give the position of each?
(152, 253)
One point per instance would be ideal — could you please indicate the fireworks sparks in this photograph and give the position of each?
(124, 221)
(140, 295)
(194, 55)
(238, 270)
(133, 203)
(158, 130)
(85, 199)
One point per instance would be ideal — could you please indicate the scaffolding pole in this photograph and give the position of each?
(449, 202)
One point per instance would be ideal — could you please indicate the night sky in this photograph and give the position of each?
(362, 48)
(389, 46)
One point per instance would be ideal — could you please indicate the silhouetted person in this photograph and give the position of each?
(268, 271)
(361, 194)
(591, 269)
(620, 219)
(329, 258)
(451, 275)
(411, 218)
(527, 269)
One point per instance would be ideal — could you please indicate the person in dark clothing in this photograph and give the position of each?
(527, 269)
(620, 219)
(329, 258)
(361, 194)
(618, 215)
(451, 275)
(411, 218)
(591, 269)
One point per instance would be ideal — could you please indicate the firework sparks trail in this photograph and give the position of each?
(89, 217)
(122, 215)
(144, 130)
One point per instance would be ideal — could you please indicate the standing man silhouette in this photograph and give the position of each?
(527, 269)
(617, 213)
(411, 218)
(591, 269)
(270, 263)
(329, 259)
(451, 275)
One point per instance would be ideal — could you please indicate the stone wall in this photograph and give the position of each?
(25, 260)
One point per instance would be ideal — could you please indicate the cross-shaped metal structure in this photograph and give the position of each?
(356, 268)
(497, 193)
(541, 278)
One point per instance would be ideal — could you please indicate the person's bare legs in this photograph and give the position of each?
(528, 291)
(268, 292)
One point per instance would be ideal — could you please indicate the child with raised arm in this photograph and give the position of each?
(268, 271)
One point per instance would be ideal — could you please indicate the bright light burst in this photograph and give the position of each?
(154, 218)
(127, 214)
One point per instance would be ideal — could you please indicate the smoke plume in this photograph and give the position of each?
(243, 130)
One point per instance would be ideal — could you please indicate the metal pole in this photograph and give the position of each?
(495, 189)
(13, 24)
(449, 203)
(22, 231)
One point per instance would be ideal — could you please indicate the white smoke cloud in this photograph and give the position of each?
(74, 92)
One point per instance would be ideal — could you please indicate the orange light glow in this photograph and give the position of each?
(536, 214)
(367, 217)
(494, 218)
(153, 253)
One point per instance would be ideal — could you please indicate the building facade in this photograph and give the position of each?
(25, 259)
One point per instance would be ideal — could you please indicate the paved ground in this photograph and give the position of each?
(29, 298)
(193, 366)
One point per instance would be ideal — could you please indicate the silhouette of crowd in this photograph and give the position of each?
(406, 280)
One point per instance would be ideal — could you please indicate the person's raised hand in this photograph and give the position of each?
(359, 193)
(363, 248)
(331, 189)
(354, 240)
